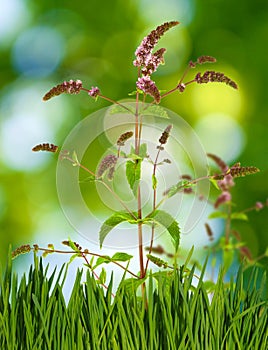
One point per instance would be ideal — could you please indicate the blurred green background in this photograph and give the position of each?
(43, 43)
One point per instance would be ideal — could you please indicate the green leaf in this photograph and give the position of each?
(121, 257)
(90, 178)
(73, 246)
(155, 110)
(111, 222)
(154, 182)
(181, 185)
(218, 215)
(133, 173)
(75, 159)
(166, 220)
(214, 183)
(74, 256)
(102, 260)
(222, 215)
(118, 109)
(143, 150)
(239, 216)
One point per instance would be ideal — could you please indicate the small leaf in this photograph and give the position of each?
(73, 246)
(154, 182)
(143, 150)
(133, 173)
(121, 257)
(118, 109)
(90, 178)
(166, 220)
(239, 216)
(214, 183)
(155, 110)
(74, 256)
(180, 186)
(218, 215)
(75, 159)
(102, 260)
(111, 222)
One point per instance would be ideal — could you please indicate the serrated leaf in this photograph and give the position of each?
(121, 257)
(166, 220)
(155, 110)
(111, 222)
(133, 173)
(154, 182)
(118, 109)
(239, 216)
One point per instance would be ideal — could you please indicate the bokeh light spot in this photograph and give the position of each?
(156, 12)
(221, 135)
(13, 16)
(38, 51)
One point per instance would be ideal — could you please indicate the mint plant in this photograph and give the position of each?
(147, 99)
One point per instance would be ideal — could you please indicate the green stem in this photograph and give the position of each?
(139, 205)
(154, 207)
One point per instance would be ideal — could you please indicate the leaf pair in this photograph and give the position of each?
(157, 218)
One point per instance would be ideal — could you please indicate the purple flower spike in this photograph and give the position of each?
(144, 51)
(94, 91)
(148, 87)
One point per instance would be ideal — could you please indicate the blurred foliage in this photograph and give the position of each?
(98, 42)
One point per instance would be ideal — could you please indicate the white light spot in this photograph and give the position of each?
(38, 51)
(220, 134)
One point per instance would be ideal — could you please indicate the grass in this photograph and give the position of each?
(35, 315)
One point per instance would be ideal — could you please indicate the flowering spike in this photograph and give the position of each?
(214, 77)
(148, 43)
(108, 162)
(124, 137)
(164, 137)
(45, 147)
(206, 59)
(153, 61)
(209, 231)
(94, 92)
(25, 248)
(221, 164)
(148, 86)
(68, 87)
(157, 261)
(224, 197)
(243, 171)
